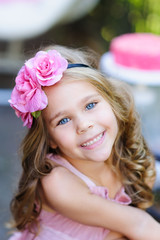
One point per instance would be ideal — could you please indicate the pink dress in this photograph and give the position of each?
(55, 226)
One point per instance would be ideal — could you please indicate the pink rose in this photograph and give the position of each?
(28, 98)
(27, 95)
(47, 66)
(26, 118)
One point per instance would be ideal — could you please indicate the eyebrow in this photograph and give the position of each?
(62, 113)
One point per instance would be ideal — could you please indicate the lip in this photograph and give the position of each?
(94, 144)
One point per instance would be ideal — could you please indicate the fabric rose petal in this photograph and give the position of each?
(26, 118)
(28, 97)
(48, 67)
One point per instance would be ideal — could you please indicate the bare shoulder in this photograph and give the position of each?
(67, 194)
(62, 186)
(60, 176)
(57, 173)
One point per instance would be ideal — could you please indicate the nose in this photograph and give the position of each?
(83, 125)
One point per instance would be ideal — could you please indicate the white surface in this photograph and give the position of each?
(26, 19)
(130, 75)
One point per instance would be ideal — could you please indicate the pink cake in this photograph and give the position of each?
(137, 50)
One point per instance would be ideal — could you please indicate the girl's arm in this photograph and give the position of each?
(69, 195)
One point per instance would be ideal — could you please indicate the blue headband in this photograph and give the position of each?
(72, 65)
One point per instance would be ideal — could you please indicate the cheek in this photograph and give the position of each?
(114, 123)
(111, 122)
(62, 138)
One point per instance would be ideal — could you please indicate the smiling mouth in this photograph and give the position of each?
(96, 139)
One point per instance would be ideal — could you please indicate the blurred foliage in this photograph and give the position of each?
(106, 21)
(116, 17)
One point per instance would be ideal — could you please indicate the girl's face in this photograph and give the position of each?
(80, 122)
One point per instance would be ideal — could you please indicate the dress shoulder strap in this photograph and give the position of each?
(63, 162)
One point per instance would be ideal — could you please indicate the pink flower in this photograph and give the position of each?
(28, 98)
(27, 95)
(26, 118)
(47, 66)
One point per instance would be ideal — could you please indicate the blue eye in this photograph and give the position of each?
(63, 121)
(90, 105)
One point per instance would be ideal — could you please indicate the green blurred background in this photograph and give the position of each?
(106, 21)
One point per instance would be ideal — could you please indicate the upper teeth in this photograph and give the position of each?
(92, 141)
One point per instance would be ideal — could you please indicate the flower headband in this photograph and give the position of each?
(28, 97)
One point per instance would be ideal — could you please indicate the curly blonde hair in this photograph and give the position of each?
(132, 160)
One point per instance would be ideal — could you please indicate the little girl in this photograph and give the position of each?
(87, 171)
